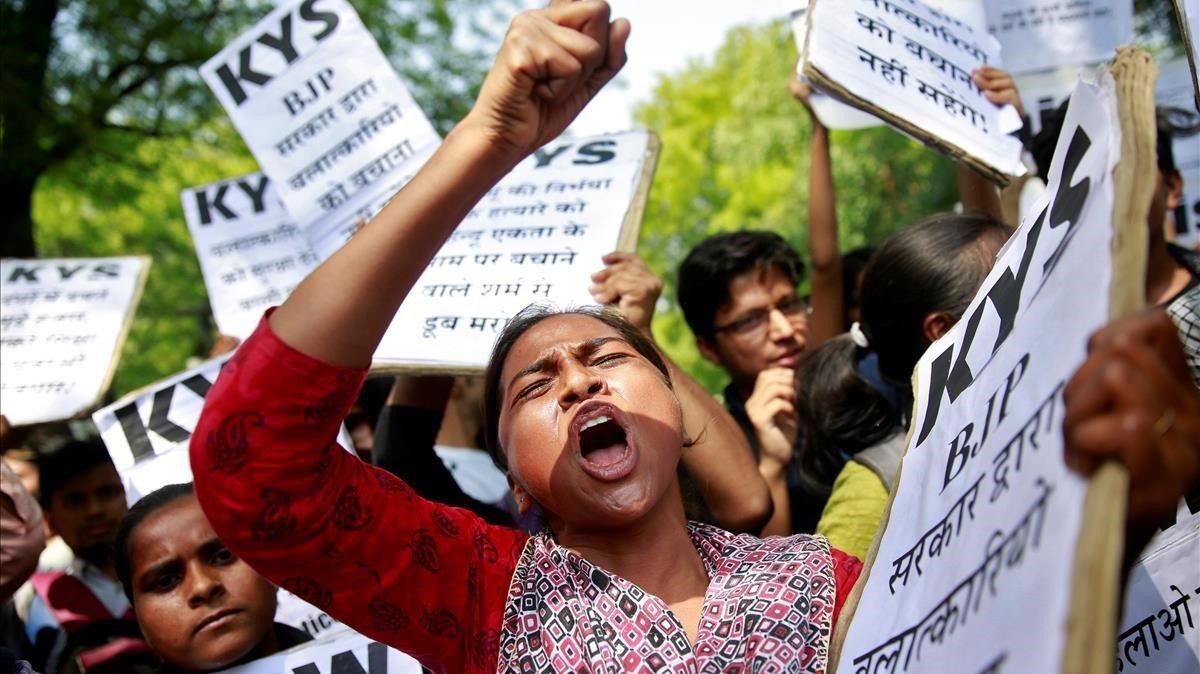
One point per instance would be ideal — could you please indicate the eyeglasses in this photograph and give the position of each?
(795, 309)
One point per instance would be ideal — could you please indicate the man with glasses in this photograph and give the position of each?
(738, 294)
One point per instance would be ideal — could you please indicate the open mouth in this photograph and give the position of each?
(602, 441)
(606, 450)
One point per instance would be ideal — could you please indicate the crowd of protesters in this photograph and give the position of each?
(585, 505)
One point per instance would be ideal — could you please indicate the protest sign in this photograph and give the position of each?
(833, 114)
(994, 528)
(251, 254)
(1043, 93)
(1189, 28)
(340, 653)
(910, 65)
(64, 322)
(1158, 631)
(1060, 33)
(323, 111)
(534, 238)
(147, 431)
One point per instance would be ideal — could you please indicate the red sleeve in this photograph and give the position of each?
(846, 569)
(356, 541)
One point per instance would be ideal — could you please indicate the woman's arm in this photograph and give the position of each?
(827, 292)
(348, 537)
(340, 533)
(978, 194)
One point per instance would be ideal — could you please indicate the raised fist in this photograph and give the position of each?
(551, 64)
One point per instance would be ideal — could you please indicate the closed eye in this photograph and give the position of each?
(531, 389)
(609, 359)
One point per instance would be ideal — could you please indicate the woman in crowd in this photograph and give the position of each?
(914, 290)
(579, 407)
(200, 607)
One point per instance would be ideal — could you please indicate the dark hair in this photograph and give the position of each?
(1171, 123)
(709, 268)
(528, 317)
(839, 412)
(853, 264)
(935, 265)
(146, 506)
(72, 458)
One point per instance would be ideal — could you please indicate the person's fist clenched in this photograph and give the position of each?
(552, 62)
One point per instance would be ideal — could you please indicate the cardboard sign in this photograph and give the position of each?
(832, 113)
(534, 238)
(910, 65)
(251, 254)
(323, 111)
(978, 573)
(64, 323)
(1159, 631)
(1045, 34)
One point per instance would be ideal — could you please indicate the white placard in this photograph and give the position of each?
(251, 254)
(973, 570)
(1160, 623)
(1044, 34)
(832, 113)
(147, 432)
(340, 653)
(535, 238)
(64, 322)
(915, 63)
(322, 110)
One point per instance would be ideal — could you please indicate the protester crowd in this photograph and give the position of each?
(627, 506)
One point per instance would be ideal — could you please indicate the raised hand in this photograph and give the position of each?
(1132, 401)
(553, 61)
(998, 87)
(628, 283)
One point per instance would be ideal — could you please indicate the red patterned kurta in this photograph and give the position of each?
(434, 581)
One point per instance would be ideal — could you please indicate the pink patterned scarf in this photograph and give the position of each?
(768, 608)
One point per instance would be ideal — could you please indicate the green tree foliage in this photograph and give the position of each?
(78, 75)
(91, 207)
(123, 124)
(735, 155)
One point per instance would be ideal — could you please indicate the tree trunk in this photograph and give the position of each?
(18, 226)
(25, 41)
